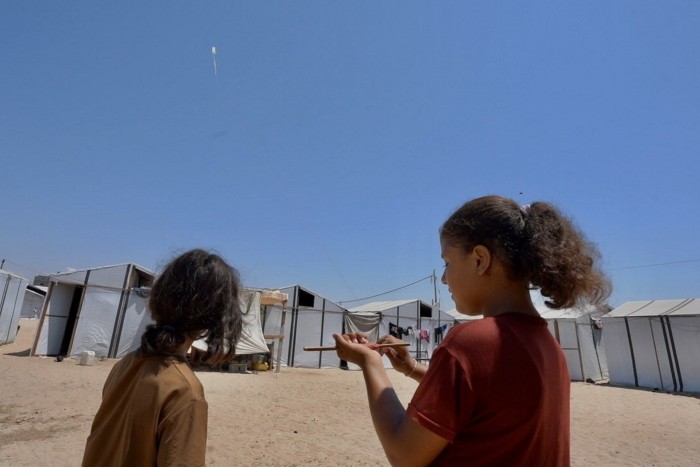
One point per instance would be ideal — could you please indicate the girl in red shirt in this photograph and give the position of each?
(497, 389)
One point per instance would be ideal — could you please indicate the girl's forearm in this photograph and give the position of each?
(385, 408)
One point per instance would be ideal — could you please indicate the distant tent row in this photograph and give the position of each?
(105, 310)
(414, 321)
(652, 344)
(12, 289)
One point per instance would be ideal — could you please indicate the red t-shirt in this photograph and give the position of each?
(498, 390)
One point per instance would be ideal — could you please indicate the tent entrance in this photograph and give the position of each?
(73, 310)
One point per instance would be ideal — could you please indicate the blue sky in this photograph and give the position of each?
(335, 137)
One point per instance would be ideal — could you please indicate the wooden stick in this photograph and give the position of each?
(378, 346)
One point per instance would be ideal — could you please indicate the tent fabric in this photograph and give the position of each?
(365, 322)
(460, 317)
(252, 340)
(579, 332)
(411, 315)
(12, 289)
(307, 320)
(654, 344)
(95, 309)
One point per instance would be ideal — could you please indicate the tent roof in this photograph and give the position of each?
(385, 305)
(8, 273)
(137, 266)
(306, 289)
(687, 307)
(566, 313)
(38, 289)
(460, 316)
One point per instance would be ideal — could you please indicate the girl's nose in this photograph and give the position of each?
(442, 278)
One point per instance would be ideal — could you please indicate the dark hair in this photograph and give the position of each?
(536, 243)
(195, 296)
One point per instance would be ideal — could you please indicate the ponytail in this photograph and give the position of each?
(563, 262)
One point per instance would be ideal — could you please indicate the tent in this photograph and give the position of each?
(654, 344)
(252, 339)
(460, 317)
(579, 331)
(11, 298)
(413, 320)
(33, 301)
(310, 321)
(100, 309)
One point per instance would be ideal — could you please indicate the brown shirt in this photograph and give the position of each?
(153, 413)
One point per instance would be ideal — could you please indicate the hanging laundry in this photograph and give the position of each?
(393, 330)
(424, 334)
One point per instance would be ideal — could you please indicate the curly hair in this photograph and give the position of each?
(195, 296)
(536, 243)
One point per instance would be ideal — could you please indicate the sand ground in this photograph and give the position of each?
(300, 417)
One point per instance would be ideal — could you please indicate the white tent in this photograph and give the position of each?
(252, 340)
(460, 317)
(33, 301)
(414, 321)
(12, 289)
(101, 309)
(654, 344)
(579, 332)
(310, 321)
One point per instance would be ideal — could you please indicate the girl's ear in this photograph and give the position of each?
(482, 256)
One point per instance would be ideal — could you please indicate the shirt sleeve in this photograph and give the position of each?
(183, 436)
(444, 400)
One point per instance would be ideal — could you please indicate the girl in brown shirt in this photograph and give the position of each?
(153, 410)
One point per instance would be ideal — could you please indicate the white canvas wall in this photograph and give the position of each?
(95, 326)
(305, 326)
(11, 298)
(33, 302)
(654, 344)
(686, 336)
(136, 318)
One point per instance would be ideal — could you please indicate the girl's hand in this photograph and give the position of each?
(400, 357)
(355, 348)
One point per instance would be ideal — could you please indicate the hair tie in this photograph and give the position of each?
(169, 328)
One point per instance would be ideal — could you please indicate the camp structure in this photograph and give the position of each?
(579, 332)
(654, 344)
(411, 320)
(12, 289)
(461, 317)
(252, 340)
(101, 310)
(308, 320)
(33, 301)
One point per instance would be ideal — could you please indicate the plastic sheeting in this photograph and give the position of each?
(654, 344)
(11, 298)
